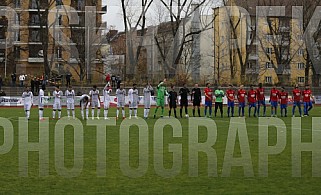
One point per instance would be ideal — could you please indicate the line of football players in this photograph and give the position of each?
(255, 99)
(92, 100)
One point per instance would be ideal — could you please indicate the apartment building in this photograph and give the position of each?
(252, 50)
(52, 36)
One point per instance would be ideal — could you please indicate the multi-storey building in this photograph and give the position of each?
(255, 49)
(46, 35)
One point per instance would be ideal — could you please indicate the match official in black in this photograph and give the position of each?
(196, 99)
(184, 92)
(172, 100)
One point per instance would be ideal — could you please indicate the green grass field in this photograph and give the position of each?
(279, 180)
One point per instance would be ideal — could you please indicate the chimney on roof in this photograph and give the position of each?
(111, 34)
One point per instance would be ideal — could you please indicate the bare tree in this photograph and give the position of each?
(179, 32)
(309, 7)
(134, 22)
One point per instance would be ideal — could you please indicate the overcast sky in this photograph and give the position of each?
(113, 16)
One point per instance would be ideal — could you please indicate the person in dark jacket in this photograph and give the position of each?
(37, 84)
(32, 85)
(1, 82)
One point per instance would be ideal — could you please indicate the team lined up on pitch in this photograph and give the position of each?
(255, 100)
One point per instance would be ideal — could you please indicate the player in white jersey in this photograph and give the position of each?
(70, 96)
(147, 95)
(120, 94)
(95, 101)
(41, 97)
(84, 104)
(57, 102)
(28, 101)
(107, 91)
(133, 101)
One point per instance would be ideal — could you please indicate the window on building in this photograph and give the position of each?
(3, 27)
(80, 4)
(300, 66)
(34, 50)
(268, 50)
(222, 39)
(59, 52)
(34, 35)
(17, 19)
(60, 20)
(17, 52)
(34, 19)
(33, 4)
(17, 35)
(300, 37)
(269, 38)
(59, 2)
(268, 80)
(18, 3)
(300, 79)
(268, 65)
(2, 53)
(300, 52)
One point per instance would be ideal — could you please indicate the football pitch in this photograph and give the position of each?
(116, 180)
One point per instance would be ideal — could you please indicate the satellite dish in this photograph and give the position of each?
(40, 53)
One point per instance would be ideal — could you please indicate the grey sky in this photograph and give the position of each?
(114, 13)
(113, 16)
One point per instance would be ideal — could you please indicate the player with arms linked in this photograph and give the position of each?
(296, 93)
(241, 93)
(208, 100)
(230, 94)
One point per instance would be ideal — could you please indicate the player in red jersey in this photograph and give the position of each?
(260, 99)
(208, 99)
(241, 93)
(283, 95)
(274, 100)
(251, 97)
(307, 96)
(296, 96)
(230, 94)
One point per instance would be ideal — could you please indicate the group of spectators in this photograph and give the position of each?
(114, 80)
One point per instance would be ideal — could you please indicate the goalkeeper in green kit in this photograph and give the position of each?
(161, 92)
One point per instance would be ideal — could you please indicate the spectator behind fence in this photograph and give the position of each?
(113, 81)
(22, 79)
(68, 78)
(2, 93)
(13, 79)
(107, 79)
(118, 81)
(1, 82)
(32, 85)
(37, 83)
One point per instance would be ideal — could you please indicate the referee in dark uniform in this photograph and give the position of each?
(172, 100)
(184, 92)
(196, 98)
